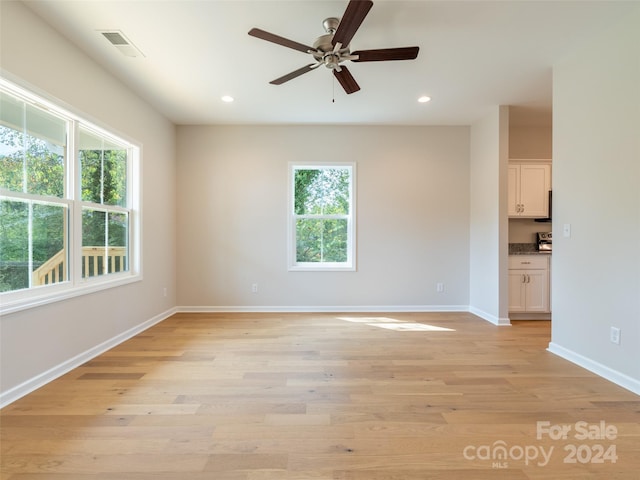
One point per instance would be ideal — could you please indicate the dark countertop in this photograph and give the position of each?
(526, 249)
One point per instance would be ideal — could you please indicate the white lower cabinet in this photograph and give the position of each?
(529, 283)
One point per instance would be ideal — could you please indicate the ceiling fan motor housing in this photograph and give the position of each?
(325, 54)
(324, 49)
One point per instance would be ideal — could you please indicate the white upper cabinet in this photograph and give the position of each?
(529, 185)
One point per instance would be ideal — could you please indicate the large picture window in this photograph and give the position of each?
(68, 203)
(322, 210)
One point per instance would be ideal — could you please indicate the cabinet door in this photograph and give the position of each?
(537, 290)
(535, 183)
(517, 291)
(513, 179)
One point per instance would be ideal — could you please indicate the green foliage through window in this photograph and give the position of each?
(104, 170)
(37, 193)
(322, 198)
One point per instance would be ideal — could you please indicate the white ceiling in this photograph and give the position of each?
(474, 55)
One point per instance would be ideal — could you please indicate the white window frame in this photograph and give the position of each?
(17, 300)
(293, 264)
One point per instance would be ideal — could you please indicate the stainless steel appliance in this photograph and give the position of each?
(548, 219)
(544, 242)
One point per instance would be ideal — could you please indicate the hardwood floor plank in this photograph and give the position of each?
(111, 376)
(322, 396)
(435, 474)
(46, 464)
(247, 461)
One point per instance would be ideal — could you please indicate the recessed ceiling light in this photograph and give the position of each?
(424, 99)
(227, 98)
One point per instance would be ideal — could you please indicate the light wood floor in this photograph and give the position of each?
(323, 396)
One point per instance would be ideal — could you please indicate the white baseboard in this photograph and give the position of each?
(530, 316)
(38, 381)
(501, 322)
(324, 309)
(603, 371)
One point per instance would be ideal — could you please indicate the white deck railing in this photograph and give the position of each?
(95, 261)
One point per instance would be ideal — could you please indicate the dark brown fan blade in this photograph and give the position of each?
(384, 54)
(285, 42)
(351, 20)
(346, 80)
(292, 75)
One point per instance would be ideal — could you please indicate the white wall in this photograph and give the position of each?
(39, 343)
(596, 178)
(412, 217)
(488, 221)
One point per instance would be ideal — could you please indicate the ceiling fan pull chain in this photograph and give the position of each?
(333, 92)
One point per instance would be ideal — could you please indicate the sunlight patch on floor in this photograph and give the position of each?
(395, 324)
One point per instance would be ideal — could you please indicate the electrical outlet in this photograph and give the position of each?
(254, 288)
(614, 335)
(439, 287)
(164, 292)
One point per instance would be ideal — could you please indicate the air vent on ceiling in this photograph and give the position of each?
(122, 43)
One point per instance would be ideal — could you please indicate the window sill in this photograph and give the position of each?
(12, 302)
(326, 268)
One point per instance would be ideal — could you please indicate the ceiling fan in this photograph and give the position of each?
(332, 48)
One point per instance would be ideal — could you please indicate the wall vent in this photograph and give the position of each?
(122, 43)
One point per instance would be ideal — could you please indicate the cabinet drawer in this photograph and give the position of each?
(523, 262)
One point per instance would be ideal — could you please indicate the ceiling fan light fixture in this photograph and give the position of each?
(332, 61)
(424, 99)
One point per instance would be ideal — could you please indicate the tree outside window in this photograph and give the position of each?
(33, 210)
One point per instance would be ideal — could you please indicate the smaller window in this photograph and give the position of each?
(321, 217)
